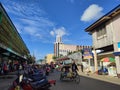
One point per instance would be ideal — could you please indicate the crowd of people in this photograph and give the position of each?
(6, 67)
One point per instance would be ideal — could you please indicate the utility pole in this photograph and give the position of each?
(95, 60)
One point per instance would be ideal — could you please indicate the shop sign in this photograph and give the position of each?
(118, 46)
(87, 53)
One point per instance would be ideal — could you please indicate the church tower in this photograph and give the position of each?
(58, 39)
(57, 44)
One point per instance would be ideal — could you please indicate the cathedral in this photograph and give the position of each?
(61, 49)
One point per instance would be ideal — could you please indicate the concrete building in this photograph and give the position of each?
(49, 58)
(106, 37)
(12, 46)
(61, 49)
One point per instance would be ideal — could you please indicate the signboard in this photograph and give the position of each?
(87, 53)
(118, 46)
(76, 56)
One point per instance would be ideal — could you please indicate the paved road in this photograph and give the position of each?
(85, 84)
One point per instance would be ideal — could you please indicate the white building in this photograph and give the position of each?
(61, 49)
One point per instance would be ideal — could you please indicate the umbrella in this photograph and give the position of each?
(108, 59)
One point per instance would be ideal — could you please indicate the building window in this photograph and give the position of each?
(101, 31)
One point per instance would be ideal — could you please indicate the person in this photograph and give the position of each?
(52, 66)
(74, 67)
(81, 67)
(65, 69)
(47, 69)
(5, 68)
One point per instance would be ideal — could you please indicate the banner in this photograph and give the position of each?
(118, 46)
(87, 53)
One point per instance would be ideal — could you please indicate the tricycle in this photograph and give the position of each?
(67, 73)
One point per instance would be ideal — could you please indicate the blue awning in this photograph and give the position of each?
(116, 53)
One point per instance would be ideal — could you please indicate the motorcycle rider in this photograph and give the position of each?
(47, 69)
(74, 67)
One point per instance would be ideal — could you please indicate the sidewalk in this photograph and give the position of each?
(106, 78)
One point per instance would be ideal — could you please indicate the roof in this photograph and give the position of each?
(104, 18)
(10, 37)
(63, 58)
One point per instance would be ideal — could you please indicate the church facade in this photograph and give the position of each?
(61, 49)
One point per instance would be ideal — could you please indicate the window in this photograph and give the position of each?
(101, 31)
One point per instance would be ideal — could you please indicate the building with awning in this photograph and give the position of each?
(12, 45)
(106, 37)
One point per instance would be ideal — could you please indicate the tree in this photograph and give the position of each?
(31, 59)
(40, 60)
(54, 58)
(60, 55)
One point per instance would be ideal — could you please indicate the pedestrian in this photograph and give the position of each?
(52, 66)
(81, 67)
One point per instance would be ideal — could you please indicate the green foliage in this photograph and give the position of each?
(31, 59)
(54, 58)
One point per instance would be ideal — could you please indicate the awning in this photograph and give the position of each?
(63, 58)
(104, 55)
(116, 53)
(108, 59)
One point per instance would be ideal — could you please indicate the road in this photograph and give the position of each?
(85, 84)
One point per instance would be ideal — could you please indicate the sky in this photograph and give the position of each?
(40, 21)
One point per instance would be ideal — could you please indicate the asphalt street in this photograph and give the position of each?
(85, 84)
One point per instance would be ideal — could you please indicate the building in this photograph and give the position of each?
(106, 37)
(12, 46)
(49, 58)
(61, 49)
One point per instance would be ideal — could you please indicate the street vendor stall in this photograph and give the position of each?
(109, 62)
(112, 69)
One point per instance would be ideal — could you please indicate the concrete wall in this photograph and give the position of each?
(112, 33)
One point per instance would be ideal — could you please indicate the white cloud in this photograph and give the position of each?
(21, 8)
(30, 30)
(52, 33)
(59, 32)
(18, 28)
(91, 13)
(32, 21)
(71, 1)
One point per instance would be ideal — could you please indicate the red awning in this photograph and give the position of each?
(63, 58)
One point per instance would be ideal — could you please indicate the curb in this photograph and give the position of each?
(105, 78)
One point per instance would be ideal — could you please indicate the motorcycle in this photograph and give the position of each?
(32, 81)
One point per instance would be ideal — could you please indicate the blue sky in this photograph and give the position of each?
(39, 21)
